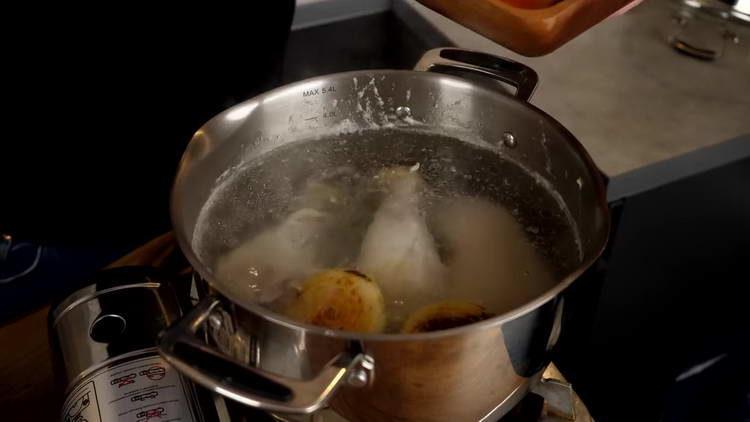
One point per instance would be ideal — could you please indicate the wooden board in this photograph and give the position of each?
(528, 31)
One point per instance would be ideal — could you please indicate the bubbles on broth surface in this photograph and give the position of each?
(305, 207)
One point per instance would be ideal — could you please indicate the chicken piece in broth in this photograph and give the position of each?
(398, 251)
(489, 258)
(290, 251)
(268, 262)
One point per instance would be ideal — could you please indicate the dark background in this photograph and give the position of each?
(670, 293)
(100, 103)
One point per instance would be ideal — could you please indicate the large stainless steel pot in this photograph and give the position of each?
(268, 361)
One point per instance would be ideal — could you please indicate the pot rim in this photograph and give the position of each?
(495, 321)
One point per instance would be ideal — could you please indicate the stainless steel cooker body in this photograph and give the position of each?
(264, 360)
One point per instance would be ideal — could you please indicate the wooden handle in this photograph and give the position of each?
(531, 31)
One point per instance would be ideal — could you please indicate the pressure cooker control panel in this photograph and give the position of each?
(105, 335)
(144, 389)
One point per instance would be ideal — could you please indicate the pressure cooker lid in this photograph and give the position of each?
(123, 311)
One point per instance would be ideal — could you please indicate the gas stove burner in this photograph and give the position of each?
(560, 404)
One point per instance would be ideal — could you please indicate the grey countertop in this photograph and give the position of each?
(627, 96)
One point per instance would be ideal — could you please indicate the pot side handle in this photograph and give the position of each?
(456, 61)
(251, 386)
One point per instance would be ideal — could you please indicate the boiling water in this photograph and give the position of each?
(501, 238)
